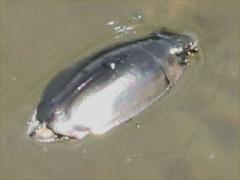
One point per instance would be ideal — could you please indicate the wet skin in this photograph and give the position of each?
(112, 86)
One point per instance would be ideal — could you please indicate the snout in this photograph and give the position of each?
(39, 131)
(44, 134)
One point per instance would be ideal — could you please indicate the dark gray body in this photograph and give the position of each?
(111, 87)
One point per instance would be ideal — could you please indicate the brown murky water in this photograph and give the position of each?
(192, 132)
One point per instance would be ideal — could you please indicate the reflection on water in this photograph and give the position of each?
(128, 27)
(190, 132)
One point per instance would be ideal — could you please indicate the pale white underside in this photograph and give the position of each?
(94, 112)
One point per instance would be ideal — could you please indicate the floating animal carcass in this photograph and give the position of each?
(111, 86)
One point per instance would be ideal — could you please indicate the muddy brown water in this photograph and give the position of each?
(192, 132)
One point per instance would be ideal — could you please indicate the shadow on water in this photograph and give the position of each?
(192, 132)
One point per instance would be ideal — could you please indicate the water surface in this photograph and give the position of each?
(192, 132)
